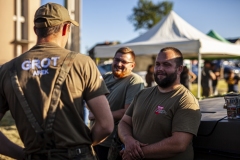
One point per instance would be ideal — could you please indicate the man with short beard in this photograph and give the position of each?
(123, 85)
(162, 120)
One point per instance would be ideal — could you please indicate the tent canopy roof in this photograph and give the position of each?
(173, 31)
(215, 35)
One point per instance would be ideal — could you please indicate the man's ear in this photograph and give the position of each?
(65, 29)
(180, 69)
(133, 64)
(34, 28)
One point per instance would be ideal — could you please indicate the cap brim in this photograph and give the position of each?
(74, 22)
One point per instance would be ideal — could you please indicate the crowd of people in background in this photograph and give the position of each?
(211, 74)
(232, 81)
(207, 79)
(187, 77)
(150, 76)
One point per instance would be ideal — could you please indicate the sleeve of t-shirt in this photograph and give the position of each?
(187, 117)
(135, 85)
(130, 109)
(3, 103)
(95, 85)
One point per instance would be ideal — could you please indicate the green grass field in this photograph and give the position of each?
(221, 88)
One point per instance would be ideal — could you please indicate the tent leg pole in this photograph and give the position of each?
(199, 76)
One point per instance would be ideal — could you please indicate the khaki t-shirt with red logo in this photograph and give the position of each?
(156, 115)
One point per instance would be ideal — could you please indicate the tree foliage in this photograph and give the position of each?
(146, 14)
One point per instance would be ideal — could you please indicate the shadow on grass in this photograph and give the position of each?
(7, 120)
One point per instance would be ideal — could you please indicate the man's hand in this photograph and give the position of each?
(103, 119)
(133, 149)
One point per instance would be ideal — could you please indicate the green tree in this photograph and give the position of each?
(146, 14)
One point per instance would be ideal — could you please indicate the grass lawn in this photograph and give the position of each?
(221, 88)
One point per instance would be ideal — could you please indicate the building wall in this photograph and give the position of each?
(32, 7)
(13, 43)
(74, 8)
(16, 29)
(6, 30)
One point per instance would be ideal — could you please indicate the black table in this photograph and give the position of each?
(218, 137)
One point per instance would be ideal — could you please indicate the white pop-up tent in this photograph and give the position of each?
(176, 32)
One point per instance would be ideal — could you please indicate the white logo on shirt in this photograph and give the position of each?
(39, 65)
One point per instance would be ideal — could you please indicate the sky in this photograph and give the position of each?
(107, 20)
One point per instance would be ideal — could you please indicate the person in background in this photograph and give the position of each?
(216, 71)
(232, 82)
(207, 77)
(44, 89)
(162, 120)
(123, 85)
(187, 77)
(149, 76)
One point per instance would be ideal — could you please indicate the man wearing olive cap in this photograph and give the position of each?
(44, 89)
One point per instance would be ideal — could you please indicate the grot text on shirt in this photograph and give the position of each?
(40, 67)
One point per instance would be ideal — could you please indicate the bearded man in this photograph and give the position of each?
(162, 120)
(123, 85)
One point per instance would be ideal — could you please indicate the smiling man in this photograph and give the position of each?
(123, 85)
(162, 120)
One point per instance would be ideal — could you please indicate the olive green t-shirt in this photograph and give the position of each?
(156, 115)
(122, 92)
(37, 70)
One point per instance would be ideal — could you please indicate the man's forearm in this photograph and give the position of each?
(9, 148)
(168, 147)
(118, 114)
(124, 131)
(99, 133)
(150, 151)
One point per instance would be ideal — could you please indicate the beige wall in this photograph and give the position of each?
(9, 39)
(33, 6)
(7, 29)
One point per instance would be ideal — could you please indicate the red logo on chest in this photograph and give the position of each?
(159, 109)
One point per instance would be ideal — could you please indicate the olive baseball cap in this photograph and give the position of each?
(54, 14)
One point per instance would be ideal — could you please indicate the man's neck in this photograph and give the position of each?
(169, 89)
(122, 77)
(49, 39)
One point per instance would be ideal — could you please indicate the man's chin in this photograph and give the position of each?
(161, 77)
(117, 75)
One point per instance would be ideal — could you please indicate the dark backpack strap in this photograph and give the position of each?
(55, 95)
(21, 98)
(57, 90)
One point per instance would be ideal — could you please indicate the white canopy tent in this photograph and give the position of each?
(176, 32)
